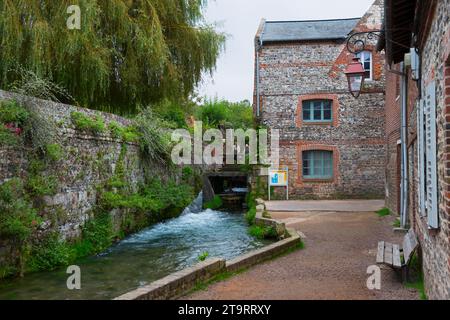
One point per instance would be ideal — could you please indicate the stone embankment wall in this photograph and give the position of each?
(88, 161)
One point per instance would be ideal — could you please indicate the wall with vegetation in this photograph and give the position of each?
(73, 181)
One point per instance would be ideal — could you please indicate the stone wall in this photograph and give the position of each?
(435, 244)
(88, 161)
(293, 72)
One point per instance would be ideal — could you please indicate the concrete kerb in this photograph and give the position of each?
(181, 282)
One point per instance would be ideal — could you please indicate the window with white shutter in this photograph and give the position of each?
(432, 206)
(421, 157)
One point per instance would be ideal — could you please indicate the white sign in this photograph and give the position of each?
(279, 178)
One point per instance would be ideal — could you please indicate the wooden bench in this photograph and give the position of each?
(391, 254)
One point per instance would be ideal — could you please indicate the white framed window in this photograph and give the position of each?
(366, 59)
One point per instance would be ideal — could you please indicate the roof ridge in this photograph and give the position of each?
(287, 21)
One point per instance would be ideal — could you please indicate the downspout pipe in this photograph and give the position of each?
(258, 93)
(404, 147)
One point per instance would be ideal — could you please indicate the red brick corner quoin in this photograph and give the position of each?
(316, 146)
(318, 96)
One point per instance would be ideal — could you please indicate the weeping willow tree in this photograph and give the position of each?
(127, 52)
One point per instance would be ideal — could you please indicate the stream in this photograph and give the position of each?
(144, 257)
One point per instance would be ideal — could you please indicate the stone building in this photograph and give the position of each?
(418, 96)
(333, 144)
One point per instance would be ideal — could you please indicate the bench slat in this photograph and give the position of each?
(380, 253)
(396, 256)
(410, 244)
(388, 254)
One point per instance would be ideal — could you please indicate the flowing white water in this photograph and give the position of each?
(144, 257)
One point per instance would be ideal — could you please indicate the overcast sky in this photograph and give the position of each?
(233, 79)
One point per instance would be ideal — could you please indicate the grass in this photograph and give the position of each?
(84, 122)
(419, 286)
(384, 212)
(397, 223)
(418, 280)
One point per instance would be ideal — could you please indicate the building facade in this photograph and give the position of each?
(419, 101)
(332, 143)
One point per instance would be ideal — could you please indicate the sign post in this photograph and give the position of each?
(279, 178)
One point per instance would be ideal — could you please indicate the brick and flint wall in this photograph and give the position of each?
(435, 244)
(291, 73)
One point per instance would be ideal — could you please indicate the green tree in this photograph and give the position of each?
(127, 53)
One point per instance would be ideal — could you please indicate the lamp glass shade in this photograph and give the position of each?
(355, 75)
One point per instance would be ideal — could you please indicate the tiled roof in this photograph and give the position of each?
(280, 31)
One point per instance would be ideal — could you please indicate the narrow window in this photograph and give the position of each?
(366, 59)
(317, 111)
(318, 165)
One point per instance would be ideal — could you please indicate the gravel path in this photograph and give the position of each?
(339, 248)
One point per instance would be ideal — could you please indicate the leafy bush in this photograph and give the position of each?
(187, 173)
(154, 142)
(18, 218)
(262, 232)
(42, 185)
(97, 236)
(250, 216)
(217, 113)
(153, 197)
(214, 204)
(174, 113)
(12, 112)
(83, 122)
(50, 254)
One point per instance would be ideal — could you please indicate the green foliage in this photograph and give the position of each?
(250, 216)
(416, 273)
(7, 138)
(203, 256)
(153, 198)
(97, 236)
(187, 173)
(115, 129)
(30, 83)
(127, 53)
(12, 112)
(397, 223)
(154, 142)
(83, 122)
(130, 134)
(54, 152)
(42, 185)
(221, 113)
(262, 232)
(18, 218)
(49, 254)
(214, 204)
(126, 134)
(174, 113)
(384, 212)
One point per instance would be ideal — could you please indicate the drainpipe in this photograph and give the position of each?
(404, 138)
(258, 47)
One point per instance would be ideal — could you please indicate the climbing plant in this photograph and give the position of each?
(127, 52)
